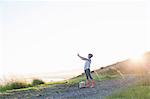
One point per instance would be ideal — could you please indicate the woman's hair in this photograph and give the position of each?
(90, 55)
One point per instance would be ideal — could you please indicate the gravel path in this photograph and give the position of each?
(102, 89)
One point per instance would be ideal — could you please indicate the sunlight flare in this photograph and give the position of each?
(137, 58)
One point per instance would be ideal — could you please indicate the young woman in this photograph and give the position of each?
(87, 70)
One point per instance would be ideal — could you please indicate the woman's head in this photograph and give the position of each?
(90, 55)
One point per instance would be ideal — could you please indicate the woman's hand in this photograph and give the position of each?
(82, 57)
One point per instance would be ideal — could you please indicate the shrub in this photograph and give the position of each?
(37, 82)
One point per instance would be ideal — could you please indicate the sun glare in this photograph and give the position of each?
(136, 58)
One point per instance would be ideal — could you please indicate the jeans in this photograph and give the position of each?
(88, 74)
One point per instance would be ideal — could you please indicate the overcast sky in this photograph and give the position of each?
(45, 36)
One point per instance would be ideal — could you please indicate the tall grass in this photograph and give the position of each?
(17, 84)
(141, 90)
(13, 85)
(136, 92)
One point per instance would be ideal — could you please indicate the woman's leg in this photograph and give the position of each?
(86, 74)
(87, 79)
(89, 74)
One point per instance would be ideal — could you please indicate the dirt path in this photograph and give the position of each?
(102, 89)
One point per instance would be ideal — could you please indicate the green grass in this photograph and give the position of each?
(20, 86)
(56, 82)
(141, 90)
(136, 92)
(13, 85)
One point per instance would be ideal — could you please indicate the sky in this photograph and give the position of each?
(46, 36)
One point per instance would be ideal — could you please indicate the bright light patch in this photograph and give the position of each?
(137, 58)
